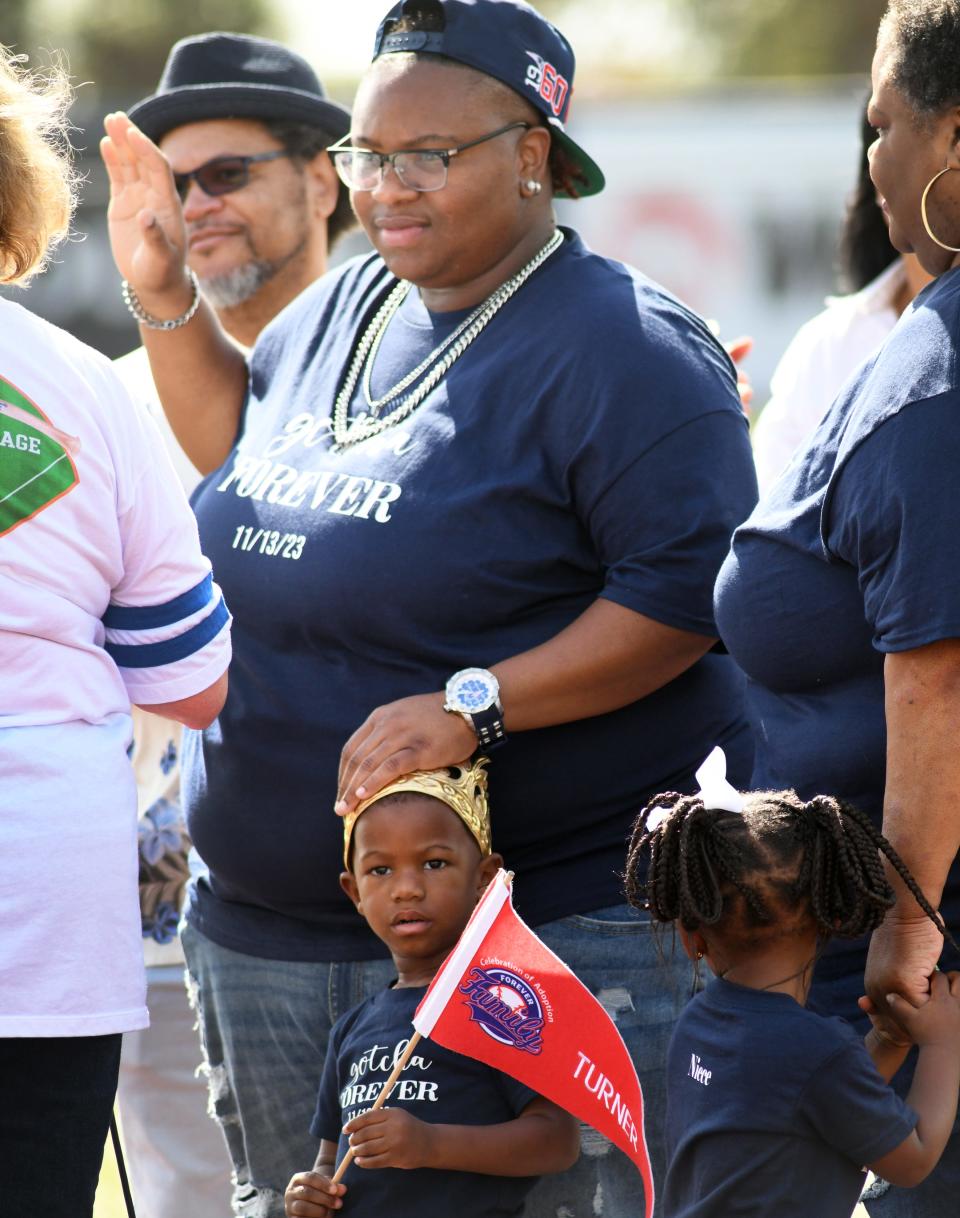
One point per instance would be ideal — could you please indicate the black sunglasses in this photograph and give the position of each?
(222, 175)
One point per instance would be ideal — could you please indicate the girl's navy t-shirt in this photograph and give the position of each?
(590, 443)
(771, 1109)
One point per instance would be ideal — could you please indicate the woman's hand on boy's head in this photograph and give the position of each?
(312, 1195)
(389, 1137)
(412, 734)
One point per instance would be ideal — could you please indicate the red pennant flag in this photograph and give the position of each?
(505, 998)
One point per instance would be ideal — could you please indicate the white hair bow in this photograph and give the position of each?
(715, 791)
(656, 817)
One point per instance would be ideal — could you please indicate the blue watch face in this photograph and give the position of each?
(472, 694)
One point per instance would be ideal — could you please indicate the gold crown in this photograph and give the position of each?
(463, 788)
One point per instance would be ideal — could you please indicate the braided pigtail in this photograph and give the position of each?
(695, 860)
(778, 864)
(657, 891)
(849, 891)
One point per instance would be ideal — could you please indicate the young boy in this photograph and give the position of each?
(459, 1139)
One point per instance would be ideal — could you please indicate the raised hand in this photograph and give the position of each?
(145, 219)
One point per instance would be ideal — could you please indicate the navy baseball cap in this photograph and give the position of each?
(508, 40)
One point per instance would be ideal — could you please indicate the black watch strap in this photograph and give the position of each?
(488, 724)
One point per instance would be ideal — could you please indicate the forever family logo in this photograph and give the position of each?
(505, 1004)
(505, 1007)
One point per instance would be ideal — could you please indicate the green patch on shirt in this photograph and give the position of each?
(36, 468)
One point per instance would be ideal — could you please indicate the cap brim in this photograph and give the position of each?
(590, 179)
(157, 115)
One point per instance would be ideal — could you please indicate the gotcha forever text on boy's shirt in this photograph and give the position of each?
(436, 1086)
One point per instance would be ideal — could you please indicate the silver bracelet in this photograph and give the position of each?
(132, 301)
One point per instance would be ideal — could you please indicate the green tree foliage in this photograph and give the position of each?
(120, 46)
(788, 37)
(13, 22)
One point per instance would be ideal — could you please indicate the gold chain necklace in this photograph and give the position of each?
(432, 369)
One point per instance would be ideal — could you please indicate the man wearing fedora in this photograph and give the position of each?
(244, 124)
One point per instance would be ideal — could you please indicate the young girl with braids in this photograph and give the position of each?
(772, 1109)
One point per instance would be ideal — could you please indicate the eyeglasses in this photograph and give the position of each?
(223, 175)
(420, 169)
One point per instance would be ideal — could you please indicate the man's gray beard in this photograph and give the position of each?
(237, 286)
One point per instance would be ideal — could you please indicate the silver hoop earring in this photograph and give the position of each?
(954, 249)
(533, 186)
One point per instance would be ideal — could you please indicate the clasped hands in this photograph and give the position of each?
(901, 963)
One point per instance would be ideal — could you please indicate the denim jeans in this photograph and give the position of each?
(265, 1025)
(643, 981)
(56, 1095)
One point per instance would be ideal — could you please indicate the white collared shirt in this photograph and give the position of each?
(816, 364)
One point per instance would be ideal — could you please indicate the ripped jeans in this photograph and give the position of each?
(265, 1024)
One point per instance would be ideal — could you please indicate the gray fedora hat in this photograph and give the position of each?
(237, 76)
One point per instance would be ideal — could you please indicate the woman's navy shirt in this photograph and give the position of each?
(853, 554)
(590, 443)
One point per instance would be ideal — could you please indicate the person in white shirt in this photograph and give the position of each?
(105, 600)
(826, 349)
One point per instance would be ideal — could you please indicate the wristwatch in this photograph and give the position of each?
(474, 693)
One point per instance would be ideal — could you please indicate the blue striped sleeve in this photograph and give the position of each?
(149, 617)
(153, 655)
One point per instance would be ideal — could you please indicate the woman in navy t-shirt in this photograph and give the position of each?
(481, 447)
(841, 595)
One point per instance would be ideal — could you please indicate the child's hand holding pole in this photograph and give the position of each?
(311, 1194)
(389, 1137)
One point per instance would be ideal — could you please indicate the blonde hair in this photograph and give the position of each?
(37, 178)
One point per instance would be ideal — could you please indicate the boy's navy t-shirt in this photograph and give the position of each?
(853, 553)
(436, 1086)
(590, 443)
(771, 1109)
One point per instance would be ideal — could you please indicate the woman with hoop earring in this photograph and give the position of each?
(840, 597)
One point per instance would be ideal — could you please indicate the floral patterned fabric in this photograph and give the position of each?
(163, 843)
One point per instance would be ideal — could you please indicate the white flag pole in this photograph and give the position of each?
(448, 978)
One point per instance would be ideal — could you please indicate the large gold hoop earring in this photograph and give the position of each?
(954, 249)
